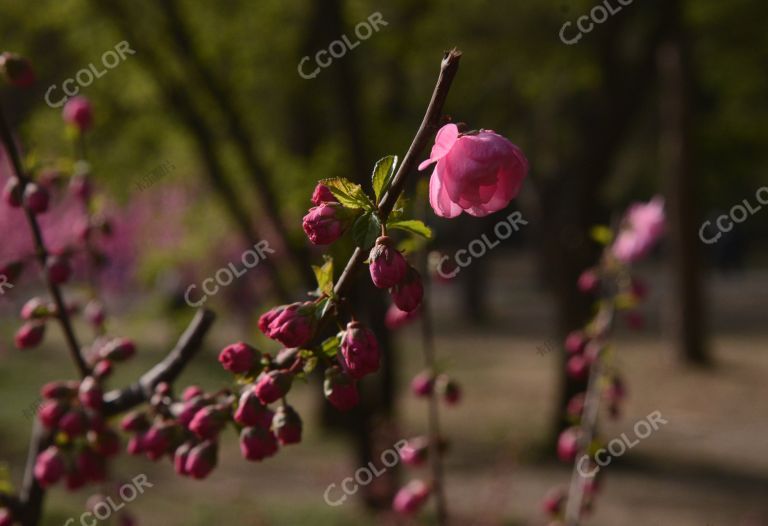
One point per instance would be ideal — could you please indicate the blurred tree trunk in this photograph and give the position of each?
(675, 95)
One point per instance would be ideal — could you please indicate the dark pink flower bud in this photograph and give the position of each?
(13, 192)
(387, 265)
(568, 444)
(74, 422)
(16, 69)
(325, 223)
(257, 443)
(157, 441)
(36, 198)
(575, 406)
(323, 194)
(396, 318)
(12, 270)
(50, 412)
(36, 309)
(340, 389)
(91, 394)
(202, 459)
(271, 386)
(448, 389)
(77, 111)
(135, 421)
(191, 392)
(575, 342)
(180, 458)
(94, 313)
(49, 467)
(588, 281)
(163, 389)
(118, 350)
(102, 369)
(239, 358)
(360, 350)
(136, 444)
(75, 480)
(29, 335)
(577, 367)
(414, 452)
(250, 412)
(58, 268)
(92, 466)
(411, 497)
(554, 501)
(208, 422)
(189, 409)
(408, 293)
(423, 383)
(287, 425)
(105, 442)
(292, 325)
(59, 390)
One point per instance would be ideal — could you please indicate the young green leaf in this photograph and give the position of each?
(383, 173)
(324, 275)
(366, 229)
(414, 226)
(349, 194)
(330, 346)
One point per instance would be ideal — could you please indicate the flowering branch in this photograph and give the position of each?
(61, 313)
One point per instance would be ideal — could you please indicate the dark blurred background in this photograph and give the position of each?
(212, 109)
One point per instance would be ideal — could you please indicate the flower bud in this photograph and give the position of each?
(323, 194)
(191, 392)
(208, 422)
(387, 264)
(16, 69)
(575, 342)
(189, 409)
(588, 281)
(13, 192)
(94, 313)
(257, 443)
(12, 270)
(29, 335)
(414, 452)
(568, 444)
(423, 383)
(50, 412)
(74, 422)
(239, 358)
(271, 386)
(78, 112)
(292, 325)
(135, 421)
(36, 309)
(105, 442)
(287, 425)
(575, 406)
(92, 466)
(396, 318)
(118, 350)
(6, 519)
(448, 389)
(157, 441)
(340, 389)
(163, 389)
(408, 293)
(577, 367)
(36, 198)
(102, 369)
(554, 501)
(202, 459)
(180, 458)
(250, 412)
(325, 223)
(360, 350)
(91, 394)
(411, 497)
(58, 268)
(75, 480)
(49, 467)
(59, 390)
(136, 444)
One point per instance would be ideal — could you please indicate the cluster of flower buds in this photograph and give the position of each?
(72, 412)
(390, 270)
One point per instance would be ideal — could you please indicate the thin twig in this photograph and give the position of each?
(62, 313)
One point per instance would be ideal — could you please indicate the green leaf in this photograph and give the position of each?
(602, 234)
(349, 194)
(324, 275)
(330, 346)
(414, 226)
(383, 173)
(366, 229)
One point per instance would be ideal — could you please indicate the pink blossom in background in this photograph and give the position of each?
(477, 173)
(643, 226)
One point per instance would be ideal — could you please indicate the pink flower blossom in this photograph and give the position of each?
(322, 194)
(643, 226)
(478, 173)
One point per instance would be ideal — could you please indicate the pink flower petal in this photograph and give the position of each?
(441, 203)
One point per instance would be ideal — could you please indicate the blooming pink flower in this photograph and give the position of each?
(325, 223)
(287, 425)
(478, 173)
(257, 443)
(78, 111)
(568, 444)
(411, 497)
(49, 467)
(202, 459)
(340, 389)
(238, 358)
(643, 226)
(323, 194)
(408, 293)
(387, 264)
(271, 386)
(360, 350)
(292, 325)
(251, 412)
